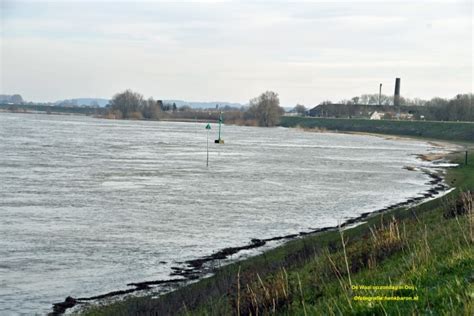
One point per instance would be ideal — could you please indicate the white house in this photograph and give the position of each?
(376, 116)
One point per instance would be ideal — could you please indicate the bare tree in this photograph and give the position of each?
(16, 99)
(300, 109)
(266, 109)
(355, 100)
(151, 109)
(127, 102)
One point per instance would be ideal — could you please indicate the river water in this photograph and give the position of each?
(89, 205)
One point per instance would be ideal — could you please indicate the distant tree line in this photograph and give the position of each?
(459, 108)
(373, 99)
(13, 99)
(52, 109)
(263, 110)
(132, 105)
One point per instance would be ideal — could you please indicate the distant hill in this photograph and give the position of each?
(83, 102)
(203, 105)
(14, 98)
(103, 102)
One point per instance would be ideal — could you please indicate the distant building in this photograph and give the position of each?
(406, 116)
(338, 110)
(376, 115)
(367, 111)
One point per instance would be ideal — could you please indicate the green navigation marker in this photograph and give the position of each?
(208, 127)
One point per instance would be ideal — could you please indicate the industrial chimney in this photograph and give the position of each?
(380, 94)
(396, 97)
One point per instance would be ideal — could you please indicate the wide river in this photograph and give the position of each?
(89, 205)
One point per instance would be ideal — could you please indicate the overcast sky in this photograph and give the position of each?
(306, 51)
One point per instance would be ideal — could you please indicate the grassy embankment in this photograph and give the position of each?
(427, 247)
(456, 131)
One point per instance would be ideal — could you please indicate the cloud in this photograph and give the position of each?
(233, 51)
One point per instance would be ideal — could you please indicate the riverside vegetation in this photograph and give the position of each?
(263, 110)
(427, 248)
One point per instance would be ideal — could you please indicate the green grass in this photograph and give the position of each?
(457, 131)
(309, 276)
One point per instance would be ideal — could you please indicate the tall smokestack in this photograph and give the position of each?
(396, 97)
(380, 94)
